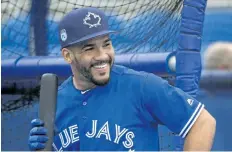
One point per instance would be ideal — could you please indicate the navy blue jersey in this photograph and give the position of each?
(122, 115)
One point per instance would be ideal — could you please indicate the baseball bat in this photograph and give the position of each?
(47, 105)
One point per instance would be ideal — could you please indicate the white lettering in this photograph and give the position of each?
(94, 126)
(71, 136)
(73, 132)
(54, 146)
(118, 133)
(129, 143)
(67, 138)
(104, 131)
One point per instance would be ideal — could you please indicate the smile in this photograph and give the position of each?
(100, 66)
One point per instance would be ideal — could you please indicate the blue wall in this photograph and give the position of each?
(219, 104)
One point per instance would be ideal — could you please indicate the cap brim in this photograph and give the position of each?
(91, 36)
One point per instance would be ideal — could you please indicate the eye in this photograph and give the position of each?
(107, 44)
(88, 49)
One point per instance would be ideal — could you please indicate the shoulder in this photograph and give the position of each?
(65, 97)
(122, 71)
(65, 86)
(129, 76)
(128, 73)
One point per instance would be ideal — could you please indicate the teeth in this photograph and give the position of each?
(103, 65)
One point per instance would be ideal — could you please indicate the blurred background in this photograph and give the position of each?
(22, 22)
(29, 29)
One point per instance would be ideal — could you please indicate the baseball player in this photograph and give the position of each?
(104, 106)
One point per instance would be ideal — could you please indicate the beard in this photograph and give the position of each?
(86, 72)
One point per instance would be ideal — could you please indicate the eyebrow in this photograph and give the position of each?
(92, 45)
(107, 40)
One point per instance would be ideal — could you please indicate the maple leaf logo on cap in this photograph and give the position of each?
(92, 20)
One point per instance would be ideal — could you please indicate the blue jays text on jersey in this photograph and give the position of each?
(123, 115)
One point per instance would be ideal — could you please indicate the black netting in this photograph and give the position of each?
(15, 27)
(144, 25)
(23, 98)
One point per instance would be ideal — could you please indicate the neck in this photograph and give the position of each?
(82, 84)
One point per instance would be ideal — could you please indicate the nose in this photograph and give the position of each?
(100, 54)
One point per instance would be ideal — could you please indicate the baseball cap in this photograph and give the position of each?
(82, 24)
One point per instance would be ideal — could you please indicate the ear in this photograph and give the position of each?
(67, 55)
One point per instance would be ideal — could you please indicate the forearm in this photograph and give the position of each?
(201, 137)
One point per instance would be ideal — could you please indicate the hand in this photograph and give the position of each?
(38, 135)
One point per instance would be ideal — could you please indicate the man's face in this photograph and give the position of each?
(93, 60)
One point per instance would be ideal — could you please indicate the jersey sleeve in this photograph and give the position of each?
(169, 105)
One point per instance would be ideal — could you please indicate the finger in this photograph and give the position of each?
(37, 123)
(38, 138)
(38, 131)
(36, 146)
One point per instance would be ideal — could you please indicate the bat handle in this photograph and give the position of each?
(47, 105)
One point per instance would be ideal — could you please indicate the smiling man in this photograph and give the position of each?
(91, 61)
(103, 106)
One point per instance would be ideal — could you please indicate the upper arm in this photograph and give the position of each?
(170, 105)
(204, 117)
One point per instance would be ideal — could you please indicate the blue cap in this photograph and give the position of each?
(82, 24)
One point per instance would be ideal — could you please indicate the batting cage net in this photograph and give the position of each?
(143, 25)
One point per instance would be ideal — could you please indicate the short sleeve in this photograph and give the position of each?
(169, 105)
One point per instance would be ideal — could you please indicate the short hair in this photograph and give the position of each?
(218, 56)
